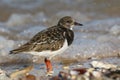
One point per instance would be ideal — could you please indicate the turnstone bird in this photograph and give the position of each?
(51, 41)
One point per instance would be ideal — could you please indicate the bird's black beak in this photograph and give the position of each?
(78, 24)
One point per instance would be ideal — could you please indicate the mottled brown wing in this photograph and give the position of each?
(49, 39)
(51, 46)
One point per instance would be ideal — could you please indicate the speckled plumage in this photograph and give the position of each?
(50, 39)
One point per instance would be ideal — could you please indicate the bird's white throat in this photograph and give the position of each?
(71, 27)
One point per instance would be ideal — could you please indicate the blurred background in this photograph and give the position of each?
(100, 35)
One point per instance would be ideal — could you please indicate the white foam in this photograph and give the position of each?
(24, 19)
(18, 19)
(115, 30)
(5, 45)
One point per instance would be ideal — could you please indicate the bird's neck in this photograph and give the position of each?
(70, 27)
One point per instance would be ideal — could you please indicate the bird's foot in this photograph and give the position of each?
(50, 73)
(49, 67)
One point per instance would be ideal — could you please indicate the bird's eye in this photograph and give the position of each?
(68, 21)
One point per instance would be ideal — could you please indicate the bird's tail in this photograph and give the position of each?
(23, 48)
(16, 51)
(19, 50)
(11, 52)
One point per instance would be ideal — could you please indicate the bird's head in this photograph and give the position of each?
(68, 22)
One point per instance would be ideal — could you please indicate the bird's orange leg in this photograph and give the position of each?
(48, 66)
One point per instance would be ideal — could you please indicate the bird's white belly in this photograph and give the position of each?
(50, 53)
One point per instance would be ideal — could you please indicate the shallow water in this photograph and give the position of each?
(99, 37)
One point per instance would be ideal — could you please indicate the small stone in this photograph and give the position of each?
(80, 70)
(21, 72)
(102, 65)
(66, 67)
(72, 72)
(30, 77)
(97, 74)
(63, 75)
